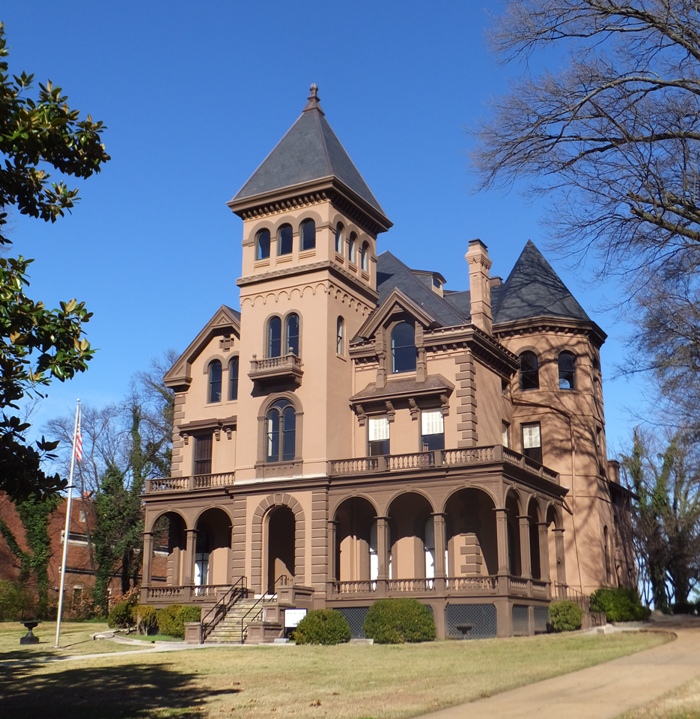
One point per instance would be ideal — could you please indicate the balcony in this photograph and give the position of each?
(188, 484)
(276, 369)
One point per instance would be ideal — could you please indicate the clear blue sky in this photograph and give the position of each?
(196, 94)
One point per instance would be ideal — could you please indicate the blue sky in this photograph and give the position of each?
(196, 94)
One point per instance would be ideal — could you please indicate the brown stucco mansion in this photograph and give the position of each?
(359, 431)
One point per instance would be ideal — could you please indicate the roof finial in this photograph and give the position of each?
(314, 101)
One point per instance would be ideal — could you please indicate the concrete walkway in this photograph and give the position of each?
(601, 692)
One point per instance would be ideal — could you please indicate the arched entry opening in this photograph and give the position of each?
(514, 558)
(168, 550)
(356, 541)
(533, 514)
(411, 547)
(281, 546)
(212, 548)
(472, 543)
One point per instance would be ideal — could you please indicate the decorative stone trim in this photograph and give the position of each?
(466, 398)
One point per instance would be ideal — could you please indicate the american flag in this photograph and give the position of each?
(78, 442)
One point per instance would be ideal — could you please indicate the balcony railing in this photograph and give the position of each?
(285, 368)
(194, 482)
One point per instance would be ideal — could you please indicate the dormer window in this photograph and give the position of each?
(567, 371)
(214, 381)
(339, 238)
(262, 245)
(403, 348)
(352, 248)
(308, 235)
(529, 371)
(284, 240)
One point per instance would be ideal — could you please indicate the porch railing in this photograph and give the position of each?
(193, 482)
(186, 592)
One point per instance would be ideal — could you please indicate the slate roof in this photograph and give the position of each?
(309, 151)
(533, 289)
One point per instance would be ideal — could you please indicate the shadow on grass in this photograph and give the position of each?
(121, 692)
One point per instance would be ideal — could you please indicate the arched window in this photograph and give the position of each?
(215, 381)
(291, 331)
(403, 348)
(364, 256)
(308, 235)
(262, 245)
(352, 248)
(284, 240)
(280, 422)
(339, 238)
(233, 378)
(529, 371)
(340, 336)
(274, 337)
(567, 370)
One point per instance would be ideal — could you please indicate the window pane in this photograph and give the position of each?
(364, 257)
(531, 436)
(308, 235)
(292, 335)
(273, 435)
(284, 240)
(432, 422)
(378, 428)
(340, 336)
(403, 348)
(233, 378)
(274, 337)
(352, 248)
(262, 250)
(339, 239)
(529, 374)
(215, 381)
(288, 433)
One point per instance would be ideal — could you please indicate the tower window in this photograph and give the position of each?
(378, 436)
(291, 328)
(352, 248)
(280, 423)
(403, 348)
(214, 381)
(432, 430)
(262, 245)
(567, 370)
(233, 378)
(308, 235)
(364, 256)
(529, 371)
(339, 238)
(340, 336)
(532, 441)
(284, 240)
(274, 337)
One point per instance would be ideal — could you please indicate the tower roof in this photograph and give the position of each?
(310, 151)
(534, 289)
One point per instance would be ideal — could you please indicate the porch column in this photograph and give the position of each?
(525, 558)
(147, 556)
(382, 553)
(188, 568)
(502, 541)
(332, 575)
(544, 551)
(439, 536)
(559, 547)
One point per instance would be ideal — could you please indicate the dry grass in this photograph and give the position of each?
(344, 682)
(683, 703)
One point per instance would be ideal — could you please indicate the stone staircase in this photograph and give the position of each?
(228, 630)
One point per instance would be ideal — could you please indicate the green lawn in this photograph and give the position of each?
(285, 681)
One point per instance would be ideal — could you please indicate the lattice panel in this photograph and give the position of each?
(520, 620)
(356, 620)
(482, 618)
(541, 619)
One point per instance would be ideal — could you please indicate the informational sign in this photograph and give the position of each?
(292, 617)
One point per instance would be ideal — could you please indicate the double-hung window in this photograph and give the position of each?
(532, 441)
(378, 436)
(432, 430)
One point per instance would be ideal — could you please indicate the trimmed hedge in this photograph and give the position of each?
(565, 616)
(619, 605)
(322, 626)
(171, 620)
(395, 621)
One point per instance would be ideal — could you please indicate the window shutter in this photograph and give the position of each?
(531, 436)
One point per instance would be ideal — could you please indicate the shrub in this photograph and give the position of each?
(171, 620)
(121, 616)
(395, 621)
(619, 605)
(16, 601)
(145, 618)
(323, 626)
(565, 616)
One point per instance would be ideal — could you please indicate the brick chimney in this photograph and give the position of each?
(479, 285)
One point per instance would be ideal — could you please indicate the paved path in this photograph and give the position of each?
(601, 692)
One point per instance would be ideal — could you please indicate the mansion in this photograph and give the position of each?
(358, 430)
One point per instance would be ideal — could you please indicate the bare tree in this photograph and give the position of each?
(615, 134)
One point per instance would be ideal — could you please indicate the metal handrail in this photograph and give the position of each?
(259, 612)
(222, 607)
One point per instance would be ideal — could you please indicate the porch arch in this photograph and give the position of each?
(355, 548)
(212, 559)
(411, 537)
(167, 534)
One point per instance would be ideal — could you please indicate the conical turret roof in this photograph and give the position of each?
(310, 151)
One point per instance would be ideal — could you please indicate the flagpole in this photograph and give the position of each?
(67, 528)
